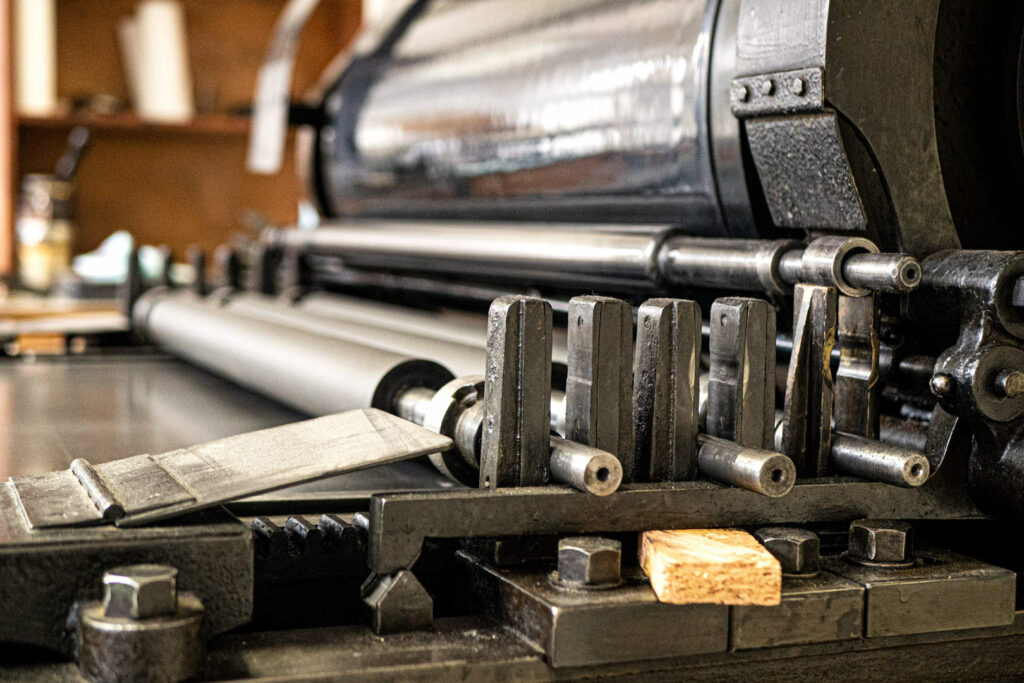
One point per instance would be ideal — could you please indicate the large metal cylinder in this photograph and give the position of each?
(462, 359)
(566, 109)
(314, 374)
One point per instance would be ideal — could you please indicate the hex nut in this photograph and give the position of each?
(140, 591)
(881, 541)
(797, 550)
(589, 561)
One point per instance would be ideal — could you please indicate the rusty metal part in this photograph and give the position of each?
(517, 398)
(807, 420)
(666, 390)
(755, 469)
(741, 388)
(856, 381)
(598, 390)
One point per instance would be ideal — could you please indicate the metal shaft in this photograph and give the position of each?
(611, 257)
(754, 469)
(879, 461)
(585, 468)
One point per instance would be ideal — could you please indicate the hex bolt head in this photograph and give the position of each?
(798, 86)
(589, 562)
(797, 550)
(881, 541)
(140, 591)
(741, 93)
(767, 87)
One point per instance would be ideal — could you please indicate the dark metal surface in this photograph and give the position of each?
(665, 391)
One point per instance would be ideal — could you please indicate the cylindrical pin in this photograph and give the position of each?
(754, 469)
(879, 461)
(898, 273)
(584, 468)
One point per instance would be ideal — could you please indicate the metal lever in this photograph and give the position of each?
(807, 412)
(856, 390)
(598, 391)
(666, 390)
(517, 398)
(741, 385)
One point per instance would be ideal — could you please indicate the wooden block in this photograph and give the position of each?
(713, 566)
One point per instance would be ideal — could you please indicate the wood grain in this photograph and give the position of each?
(710, 566)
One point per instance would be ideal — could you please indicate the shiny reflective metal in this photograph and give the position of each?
(140, 591)
(585, 468)
(607, 119)
(755, 469)
(879, 461)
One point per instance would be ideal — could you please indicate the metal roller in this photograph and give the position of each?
(622, 258)
(316, 375)
(462, 359)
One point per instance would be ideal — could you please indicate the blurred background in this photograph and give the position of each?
(132, 117)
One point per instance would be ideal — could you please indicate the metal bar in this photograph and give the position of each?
(610, 257)
(517, 398)
(741, 385)
(879, 461)
(807, 420)
(666, 398)
(856, 380)
(754, 469)
(598, 392)
(399, 523)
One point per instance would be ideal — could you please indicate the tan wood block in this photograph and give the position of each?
(713, 566)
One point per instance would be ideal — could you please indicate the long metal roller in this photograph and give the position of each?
(315, 374)
(625, 259)
(461, 358)
(459, 327)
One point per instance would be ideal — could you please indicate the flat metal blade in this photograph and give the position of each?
(149, 488)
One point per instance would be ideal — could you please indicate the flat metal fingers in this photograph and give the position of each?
(741, 384)
(515, 446)
(807, 413)
(666, 372)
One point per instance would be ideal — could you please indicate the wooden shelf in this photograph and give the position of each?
(204, 124)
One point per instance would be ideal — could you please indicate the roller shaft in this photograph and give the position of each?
(754, 469)
(879, 461)
(610, 257)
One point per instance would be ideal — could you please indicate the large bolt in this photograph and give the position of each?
(797, 550)
(140, 591)
(881, 542)
(589, 562)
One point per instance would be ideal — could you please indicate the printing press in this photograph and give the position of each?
(585, 269)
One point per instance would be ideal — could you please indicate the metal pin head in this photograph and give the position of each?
(140, 591)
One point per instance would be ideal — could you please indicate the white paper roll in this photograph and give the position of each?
(165, 78)
(36, 57)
